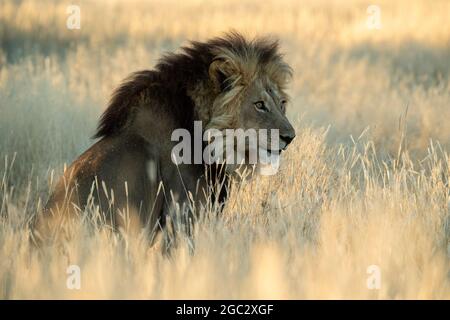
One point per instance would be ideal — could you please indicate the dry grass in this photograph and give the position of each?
(342, 201)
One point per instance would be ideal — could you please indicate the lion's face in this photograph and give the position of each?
(249, 84)
(264, 107)
(261, 130)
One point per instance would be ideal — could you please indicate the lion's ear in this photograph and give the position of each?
(220, 72)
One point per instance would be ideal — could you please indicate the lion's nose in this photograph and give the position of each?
(287, 138)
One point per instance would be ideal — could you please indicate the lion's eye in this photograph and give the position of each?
(260, 106)
(283, 104)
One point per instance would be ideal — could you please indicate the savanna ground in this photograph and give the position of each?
(364, 187)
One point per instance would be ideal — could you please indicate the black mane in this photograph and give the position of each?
(171, 76)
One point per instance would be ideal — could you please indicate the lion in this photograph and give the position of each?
(129, 174)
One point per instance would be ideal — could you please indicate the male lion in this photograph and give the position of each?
(129, 173)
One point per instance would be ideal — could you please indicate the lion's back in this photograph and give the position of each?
(107, 175)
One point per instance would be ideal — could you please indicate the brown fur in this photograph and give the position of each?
(206, 81)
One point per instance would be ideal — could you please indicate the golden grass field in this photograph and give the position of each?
(366, 181)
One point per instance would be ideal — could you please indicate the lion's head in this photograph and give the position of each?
(249, 79)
